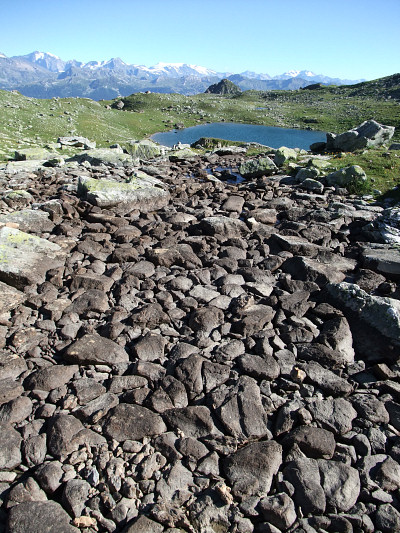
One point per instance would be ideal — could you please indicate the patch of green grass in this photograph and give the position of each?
(381, 166)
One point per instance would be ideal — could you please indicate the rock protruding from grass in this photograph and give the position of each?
(369, 134)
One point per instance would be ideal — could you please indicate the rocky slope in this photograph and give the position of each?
(223, 361)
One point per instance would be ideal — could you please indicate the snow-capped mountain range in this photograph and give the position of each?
(53, 63)
(43, 75)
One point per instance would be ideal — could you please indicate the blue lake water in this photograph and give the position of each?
(268, 135)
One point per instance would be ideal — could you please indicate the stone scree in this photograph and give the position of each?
(220, 357)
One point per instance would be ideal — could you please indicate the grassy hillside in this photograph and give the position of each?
(26, 121)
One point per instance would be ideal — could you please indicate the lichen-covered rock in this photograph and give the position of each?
(30, 154)
(257, 167)
(143, 193)
(384, 259)
(29, 220)
(145, 149)
(25, 259)
(347, 177)
(283, 155)
(104, 156)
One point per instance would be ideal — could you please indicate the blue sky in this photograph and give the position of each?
(350, 39)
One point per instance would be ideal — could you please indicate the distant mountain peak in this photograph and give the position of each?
(42, 55)
(224, 87)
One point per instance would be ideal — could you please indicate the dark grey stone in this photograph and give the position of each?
(314, 442)
(251, 469)
(39, 517)
(10, 447)
(132, 422)
(94, 349)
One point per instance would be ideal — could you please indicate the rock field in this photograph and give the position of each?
(203, 356)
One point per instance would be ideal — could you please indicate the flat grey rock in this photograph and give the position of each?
(39, 517)
(304, 475)
(240, 409)
(142, 193)
(51, 377)
(10, 447)
(334, 414)
(378, 312)
(192, 421)
(25, 259)
(94, 349)
(29, 220)
(224, 226)
(132, 422)
(384, 259)
(341, 484)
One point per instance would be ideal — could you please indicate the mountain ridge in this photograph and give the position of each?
(45, 75)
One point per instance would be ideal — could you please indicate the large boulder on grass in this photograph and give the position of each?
(369, 134)
(349, 177)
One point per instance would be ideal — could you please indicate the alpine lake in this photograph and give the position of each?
(273, 137)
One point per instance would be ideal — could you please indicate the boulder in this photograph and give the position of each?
(77, 142)
(341, 484)
(240, 409)
(307, 173)
(303, 473)
(33, 154)
(369, 134)
(346, 177)
(94, 349)
(10, 447)
(283, 155)
(145, 149)
(378, 312)
(29, 220)
(257, 167)
(382, 258)
(39, 517)
(104, 156)
(25, 259)
(144, 193)
(66, 434)
(250, 470)
(312, 185)
(132, 422)
(224, 226)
